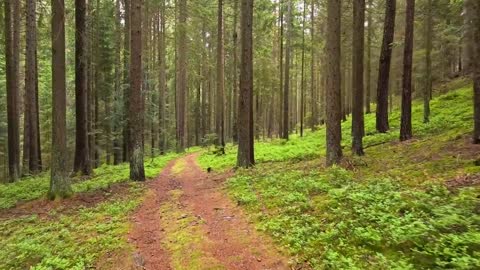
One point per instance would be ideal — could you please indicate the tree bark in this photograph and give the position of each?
(333, 98)
(302, 87)
(235, 74)
(220, 107)
(136, 104)
(245, 156)
(314, 117)
(162, 82)
(31, 78)
(12, 77)
(357, 76)
(59, 183)
(286, 86)
(126, 79)
(117, 150)
(384, 68)
(181, 84)
(368, 89)
(406, 121)
(428, 63)
(472, 34)
(82, 159)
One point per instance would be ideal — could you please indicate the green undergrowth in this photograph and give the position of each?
(333, 220)
(68, 241)
(451, 116)
(390, 209)
(31, 188)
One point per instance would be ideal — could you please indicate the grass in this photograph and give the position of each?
(389, 209)
(68, 241)
(31, 188)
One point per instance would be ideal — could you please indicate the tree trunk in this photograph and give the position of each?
(358, 45)
(162, 82)
(384, 68)
(220, 107)
(333, 108)
(472, 34)
(181, 84)
(428, 63)
(286, 88)
(59, 183)
(314, 117)
(302, 87)
(82, 160)
(12, 76)
(126, 79)
(136, 104)
(280, 118)
(245, 156)
(368, 89)
(31, 78)
(235, 75)
(406, 121)
(117, 151)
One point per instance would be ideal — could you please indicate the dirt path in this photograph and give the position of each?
(187, 222)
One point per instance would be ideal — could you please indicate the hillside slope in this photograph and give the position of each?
(411, 205)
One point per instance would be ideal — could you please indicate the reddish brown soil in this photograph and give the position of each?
(43, 207)
(233, 241)
(146, 234)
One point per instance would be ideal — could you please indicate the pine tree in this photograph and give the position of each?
(59, 182)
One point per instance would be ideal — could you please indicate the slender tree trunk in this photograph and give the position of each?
(235, 74)
(280, 124)
(181, 84)
(220, 107)
(368, 89)
(428, 63)
(245, 156)
(31, 88)
(126, 79)
(357, 76)
(82, 160)
(117, 151)
(59, 183)
(162, 82)
(384, 69)
(472, 34)
(286, 88)
(12, 76)
(314, 117)
(333, 108)
(406, 121)
(302, 87)
(136, 104)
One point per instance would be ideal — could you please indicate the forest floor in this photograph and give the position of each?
(186, 221)
(404, 205)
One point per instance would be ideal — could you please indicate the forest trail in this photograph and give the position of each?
(187, 222)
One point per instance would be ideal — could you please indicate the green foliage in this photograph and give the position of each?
(32, 188)
(331, 219)
(67, 241)
(391, 211)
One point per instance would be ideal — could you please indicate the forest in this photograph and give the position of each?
(239, 134)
